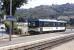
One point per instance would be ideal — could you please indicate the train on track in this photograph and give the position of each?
(46, 25)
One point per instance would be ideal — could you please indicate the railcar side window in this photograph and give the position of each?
(49, 24)
(60, 24)
(46, 24)
(41, 24)
(52, 24)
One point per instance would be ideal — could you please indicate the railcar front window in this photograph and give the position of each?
(33, 24)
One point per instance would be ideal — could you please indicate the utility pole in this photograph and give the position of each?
(1, 4)
(10, 21)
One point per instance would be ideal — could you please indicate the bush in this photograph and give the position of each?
(15, 29)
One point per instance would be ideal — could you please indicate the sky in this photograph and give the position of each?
(34, 3)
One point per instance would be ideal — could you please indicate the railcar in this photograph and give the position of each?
(46, 25)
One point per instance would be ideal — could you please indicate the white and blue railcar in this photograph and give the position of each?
(46, 25)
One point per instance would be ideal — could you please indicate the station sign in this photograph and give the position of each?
(10, 18)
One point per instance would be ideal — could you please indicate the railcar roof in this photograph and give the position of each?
(52, 20)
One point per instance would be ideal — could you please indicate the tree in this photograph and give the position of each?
(16, 3)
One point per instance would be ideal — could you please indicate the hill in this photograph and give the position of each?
(46, 11)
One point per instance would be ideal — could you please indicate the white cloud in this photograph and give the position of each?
(33, 3)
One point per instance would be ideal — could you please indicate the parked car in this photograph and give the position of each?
(2, 28)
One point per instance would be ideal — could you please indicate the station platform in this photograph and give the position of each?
(31, 41)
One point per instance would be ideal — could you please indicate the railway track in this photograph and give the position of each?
(48, 45)
(57, 43)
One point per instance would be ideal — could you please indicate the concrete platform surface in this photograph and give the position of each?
(29, 39)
